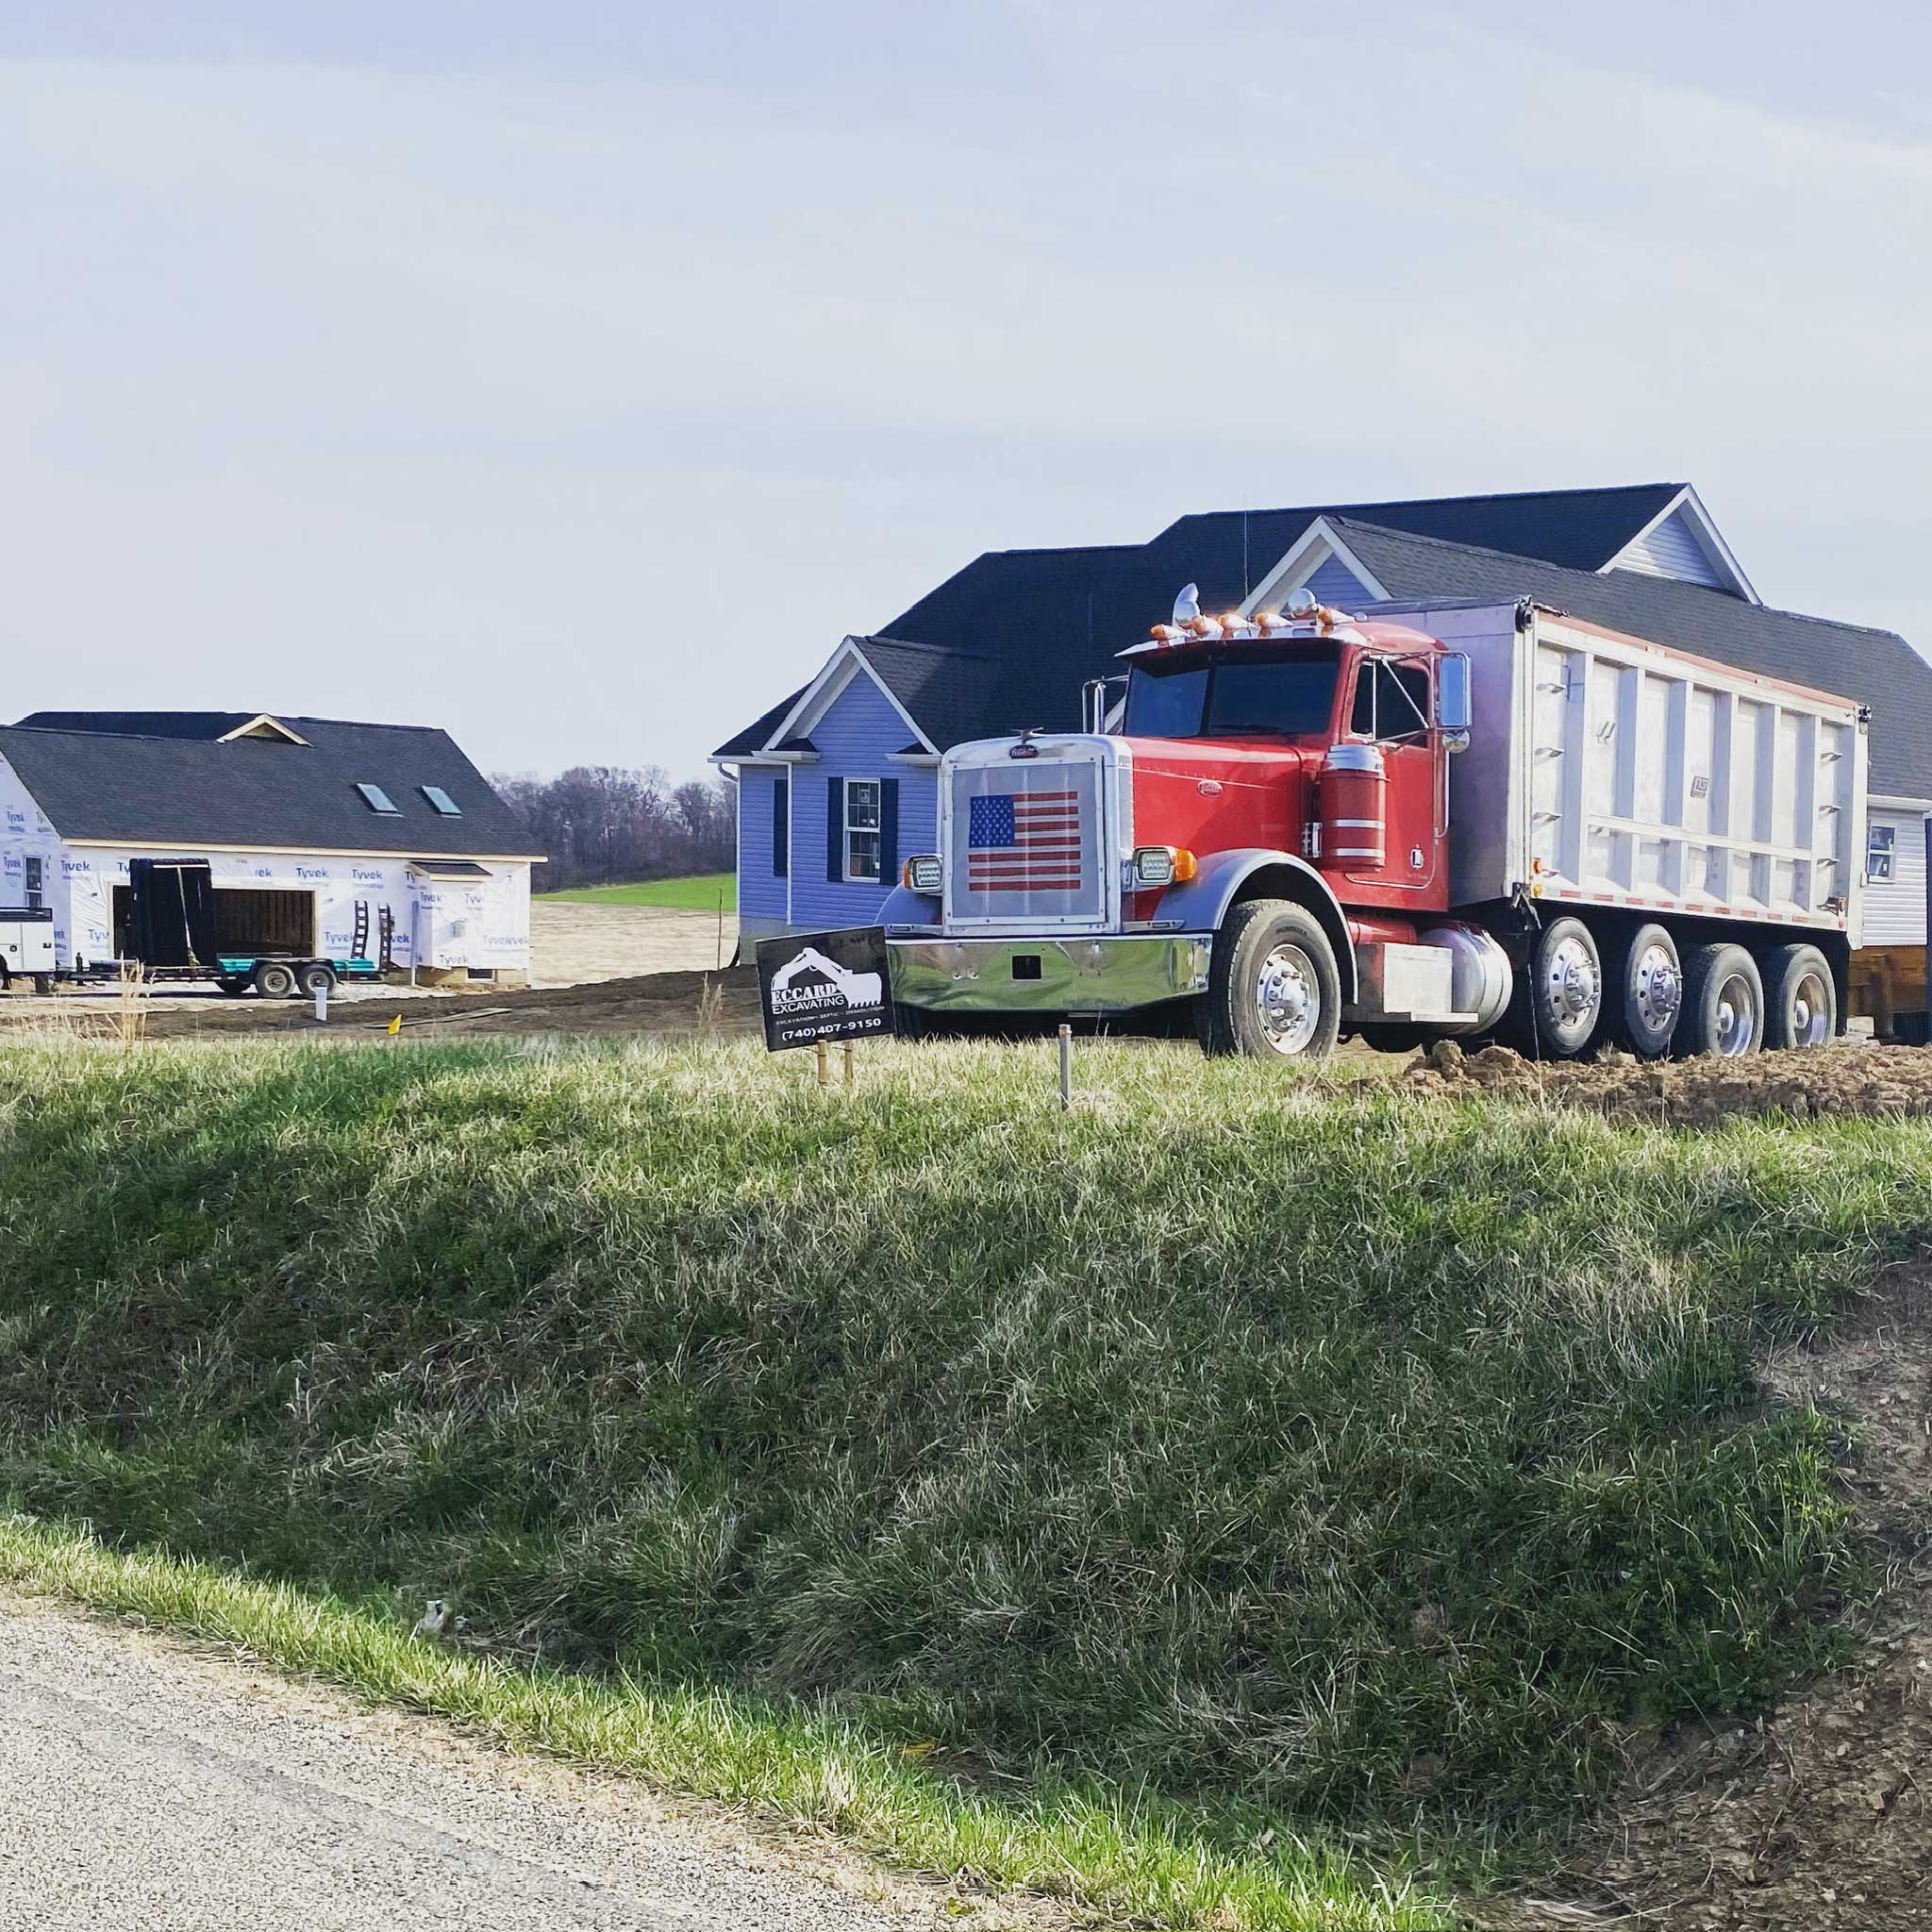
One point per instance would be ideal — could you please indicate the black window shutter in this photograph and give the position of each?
(782, 825)
(835, 829)
(889, 831)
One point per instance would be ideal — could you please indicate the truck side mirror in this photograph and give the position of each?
(1452, 699)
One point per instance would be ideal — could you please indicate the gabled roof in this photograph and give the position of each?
(179, 781)
(1873, 667)
(1025, 628)
(1581, 529)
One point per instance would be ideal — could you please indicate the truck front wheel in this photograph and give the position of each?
(1273, 989)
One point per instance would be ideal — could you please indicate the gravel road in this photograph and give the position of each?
(147, 1784)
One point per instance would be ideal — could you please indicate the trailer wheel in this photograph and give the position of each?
(1274, 989)
(1800, 998)
(317, 976)
(1653, 993)
(1723, 1003)
(274, 979)
(1566, 987)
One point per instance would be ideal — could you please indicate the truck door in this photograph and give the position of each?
(1392, 708)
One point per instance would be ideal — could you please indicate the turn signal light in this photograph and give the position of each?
(922, 873)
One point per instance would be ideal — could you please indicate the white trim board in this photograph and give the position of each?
(824, 690)
(1316, 545)
(1709, 540)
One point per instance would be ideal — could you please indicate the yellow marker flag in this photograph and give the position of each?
(395, 1025)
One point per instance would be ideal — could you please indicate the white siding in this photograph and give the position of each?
(447, 922)
(1671, 550)
(1895, 908)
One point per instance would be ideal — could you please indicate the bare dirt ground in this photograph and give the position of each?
(1819, 1815)
(571, 945)
(642, 970)
(1887, 1081)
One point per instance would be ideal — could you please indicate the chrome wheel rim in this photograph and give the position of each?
(1572, 988)
(1657, 989)
(1736, 1031)
(1810, 1011)
(1288, 999)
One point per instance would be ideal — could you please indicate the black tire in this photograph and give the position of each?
(1566, 988)
(43, 984)
(317, 976)
(1800, 998)
(1650, 986)
(274, 979)
(1273, 989)
(235, 984)
(1723, 1003)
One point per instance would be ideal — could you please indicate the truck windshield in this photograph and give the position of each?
(1245, 694)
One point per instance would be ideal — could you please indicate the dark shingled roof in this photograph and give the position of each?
(1873, 667)
(943, 691)
(755, 735)
(1027, 627)
(170, 782)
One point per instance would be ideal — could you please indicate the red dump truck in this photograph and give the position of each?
(1472, 819)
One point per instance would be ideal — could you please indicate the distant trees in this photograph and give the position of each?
(604, 823)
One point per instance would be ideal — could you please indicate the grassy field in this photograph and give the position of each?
(700, 892)
(1241, 1501)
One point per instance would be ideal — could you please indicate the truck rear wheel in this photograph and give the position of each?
(1652, 984)
(1273, 989)
(1566, 988)
(1723, 1003)
(1800, 998)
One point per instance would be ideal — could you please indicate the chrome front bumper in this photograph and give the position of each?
(1108, 974)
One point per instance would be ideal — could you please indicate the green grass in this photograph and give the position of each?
(701, 893)
(1234, 1454)
(811, 1770)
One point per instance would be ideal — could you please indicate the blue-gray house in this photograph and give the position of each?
(838, 781)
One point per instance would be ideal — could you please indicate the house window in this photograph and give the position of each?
(861, 828)
(1879, 842)
(376, 799)
(34, 884)
(441, 800)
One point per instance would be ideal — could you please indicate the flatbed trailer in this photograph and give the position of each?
(274, 976)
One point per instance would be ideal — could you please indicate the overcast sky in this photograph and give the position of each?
(576, 375)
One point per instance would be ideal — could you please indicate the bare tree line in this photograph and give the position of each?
(601, 824)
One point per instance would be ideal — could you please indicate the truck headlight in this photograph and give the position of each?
(1163, 865)
(922, 873)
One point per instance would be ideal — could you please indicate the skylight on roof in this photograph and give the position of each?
(441, 800)
(376, 799)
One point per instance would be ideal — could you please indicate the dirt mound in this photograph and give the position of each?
(1820, 1815)
(1894, 1081)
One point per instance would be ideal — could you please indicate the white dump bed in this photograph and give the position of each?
(1605, 771)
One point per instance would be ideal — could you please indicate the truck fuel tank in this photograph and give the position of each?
(1353, 831)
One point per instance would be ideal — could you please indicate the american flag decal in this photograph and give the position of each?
(1027, 841)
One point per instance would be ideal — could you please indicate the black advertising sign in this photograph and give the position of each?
(818, 985)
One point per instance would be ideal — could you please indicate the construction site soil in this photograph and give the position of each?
(1819, 1814)
(1890, 1082)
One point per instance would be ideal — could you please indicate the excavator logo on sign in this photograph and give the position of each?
(825, 986)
